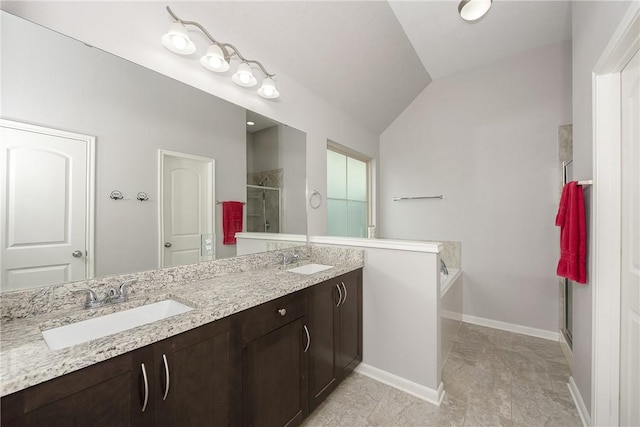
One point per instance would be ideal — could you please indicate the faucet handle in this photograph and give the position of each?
(123, 287)
(92, 298)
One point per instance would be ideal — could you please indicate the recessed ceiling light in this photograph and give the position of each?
(250, 123)
(472, 10)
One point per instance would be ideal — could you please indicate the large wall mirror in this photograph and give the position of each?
(112, 168)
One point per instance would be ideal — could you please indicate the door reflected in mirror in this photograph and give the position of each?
(132, 113)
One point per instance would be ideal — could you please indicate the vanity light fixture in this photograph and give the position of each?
(218, 57)
(268, 89)
(472, 10)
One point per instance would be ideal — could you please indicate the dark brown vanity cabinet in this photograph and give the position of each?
(105, 394)
(267, 366)
(192, 384)
(335, 323)
(137, 388)
(274, 363)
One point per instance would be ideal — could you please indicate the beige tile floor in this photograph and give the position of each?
(491, 378)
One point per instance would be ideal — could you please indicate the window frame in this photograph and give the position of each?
(345, 151)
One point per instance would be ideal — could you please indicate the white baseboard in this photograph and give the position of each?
(511, 327)
(577, 399)
(566, 350)
(421, 392)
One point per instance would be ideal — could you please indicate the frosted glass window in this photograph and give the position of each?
(356, 219)
(336, 175)
(356, 180)
(347, 201)
(337, 217)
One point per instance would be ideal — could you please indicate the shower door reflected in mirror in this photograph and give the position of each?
(263, 209)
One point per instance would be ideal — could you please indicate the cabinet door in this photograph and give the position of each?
(350, 312)
(192, 377)
(107, 394)
(323, 326)
(274, 377)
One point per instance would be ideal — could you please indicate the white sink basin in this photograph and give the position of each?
(91, 329)
(310, 268)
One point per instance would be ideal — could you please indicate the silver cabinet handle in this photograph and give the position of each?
(345, 292)
(167, 245)
(146, 387)
(340, 299)
(282, 311)
(166, 375)
(306, 330)
(76, 254)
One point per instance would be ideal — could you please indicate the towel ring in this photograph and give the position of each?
(315, 201)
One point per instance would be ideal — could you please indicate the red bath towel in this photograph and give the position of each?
(231, 221)
(573, 234)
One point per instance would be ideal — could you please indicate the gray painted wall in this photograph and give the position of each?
(593, 25)
(487, 140)
(54, 81)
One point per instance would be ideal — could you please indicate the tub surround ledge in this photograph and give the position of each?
(217, 289)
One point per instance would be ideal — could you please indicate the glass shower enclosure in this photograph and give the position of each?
(263, 209)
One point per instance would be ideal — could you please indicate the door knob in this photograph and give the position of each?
(76, 254)
(167, 245)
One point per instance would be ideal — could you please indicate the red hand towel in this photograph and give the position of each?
(231, 221)
(573, 234)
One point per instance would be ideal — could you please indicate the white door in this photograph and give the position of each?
(187, 209)
(630, 250)
(45, 179)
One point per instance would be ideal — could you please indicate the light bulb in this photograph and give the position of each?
(268, 89)
(215, 62)
(243, 76)
(215, 59)
(179, 42)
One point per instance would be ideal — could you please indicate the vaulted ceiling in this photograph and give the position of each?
(369, 59)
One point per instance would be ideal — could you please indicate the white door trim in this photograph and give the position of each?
(212, 173)
(90, 141)
(605, 224)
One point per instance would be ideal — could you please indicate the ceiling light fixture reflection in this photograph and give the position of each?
(472, 10)
(218, 56)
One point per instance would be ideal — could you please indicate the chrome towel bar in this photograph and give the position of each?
(396, 199)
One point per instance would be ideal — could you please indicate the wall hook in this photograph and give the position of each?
(142, 196)
(116, 195)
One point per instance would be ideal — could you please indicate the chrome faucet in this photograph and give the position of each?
(443, 268)
(114, 296)
(289, 260)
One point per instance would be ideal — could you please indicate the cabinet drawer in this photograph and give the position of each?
(271, 315)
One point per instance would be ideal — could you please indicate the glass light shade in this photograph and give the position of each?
(471, 10)
(177, 40)
(268, 89)
(243, 76)
(214, 60)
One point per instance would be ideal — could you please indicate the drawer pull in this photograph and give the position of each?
(340, 293)
(282, 311)
(306, 331)
(166, 376)
(345, 292)
(146, 387)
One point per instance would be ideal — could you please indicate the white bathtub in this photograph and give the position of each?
(447, 281)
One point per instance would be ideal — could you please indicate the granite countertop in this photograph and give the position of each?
(25, 359)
